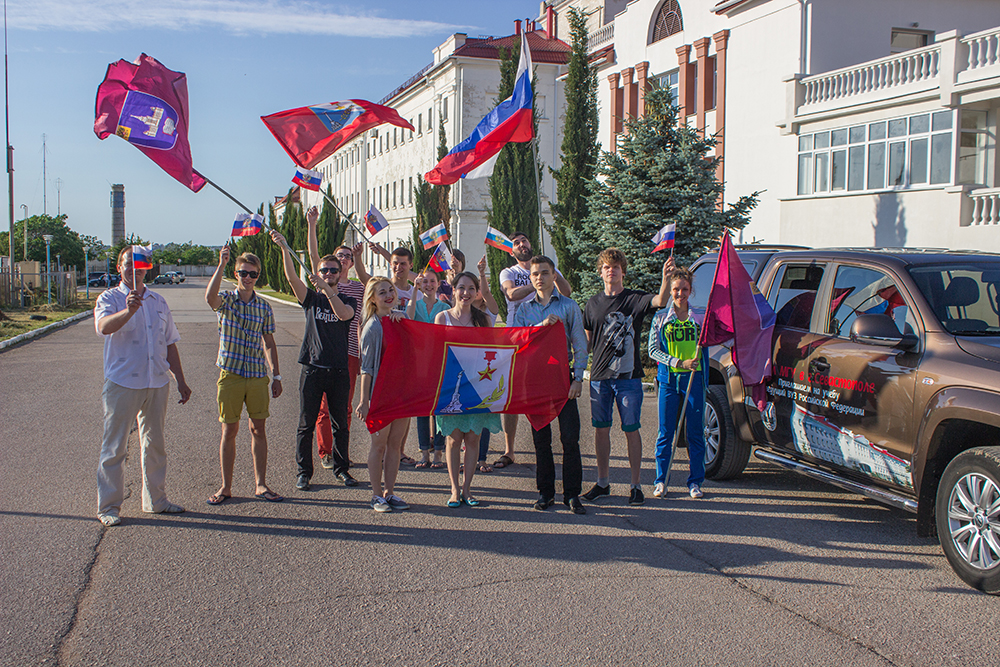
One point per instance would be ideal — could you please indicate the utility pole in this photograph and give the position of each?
(45, 209)
(58, 197)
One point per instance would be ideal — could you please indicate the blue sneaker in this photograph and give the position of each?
(379, 504)
(396, 503)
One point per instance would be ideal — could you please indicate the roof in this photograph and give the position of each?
(543, 49)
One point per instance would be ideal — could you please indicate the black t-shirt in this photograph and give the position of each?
(325, 342)
(614, 323)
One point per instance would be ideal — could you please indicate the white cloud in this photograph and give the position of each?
(258, 17)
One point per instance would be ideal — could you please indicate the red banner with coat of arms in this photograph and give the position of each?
(428, 369)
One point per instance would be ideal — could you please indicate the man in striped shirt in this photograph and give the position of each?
(246, 338)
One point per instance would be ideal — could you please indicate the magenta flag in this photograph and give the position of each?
(737, 311)
(146, 104)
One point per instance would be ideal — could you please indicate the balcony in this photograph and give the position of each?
(948, 69)
(603, 36)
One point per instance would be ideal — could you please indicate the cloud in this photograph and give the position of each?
(259, 17)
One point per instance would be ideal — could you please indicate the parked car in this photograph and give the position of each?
(163, 279)
(98, 279)
(886, 383)
(177, 276)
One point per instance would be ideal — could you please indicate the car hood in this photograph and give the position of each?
(987, 348)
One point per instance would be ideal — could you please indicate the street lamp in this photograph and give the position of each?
(48, 264)
(86, 270)
(25, 207)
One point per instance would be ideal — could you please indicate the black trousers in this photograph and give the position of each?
(545, 467)
(313, 383)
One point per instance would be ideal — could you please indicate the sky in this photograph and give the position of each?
(243, 59)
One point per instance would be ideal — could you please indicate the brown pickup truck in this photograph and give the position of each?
(886, 382)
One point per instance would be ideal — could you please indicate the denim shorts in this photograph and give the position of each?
(626, 393)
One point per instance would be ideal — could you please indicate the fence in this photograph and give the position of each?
(32, 289)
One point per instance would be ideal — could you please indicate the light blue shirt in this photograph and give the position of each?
(531, 313)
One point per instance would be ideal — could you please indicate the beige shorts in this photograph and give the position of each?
(235, 390)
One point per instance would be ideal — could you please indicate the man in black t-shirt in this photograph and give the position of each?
(613, 320)
(329, 317)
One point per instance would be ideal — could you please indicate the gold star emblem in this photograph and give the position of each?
(487, 374)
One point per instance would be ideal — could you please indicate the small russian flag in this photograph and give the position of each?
(499, 240)
(434, 236)
(441, 259)
(247, 225)
(308, 179)
(664, 239)
(375, 221)
(141, 257)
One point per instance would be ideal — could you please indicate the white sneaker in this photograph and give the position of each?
(695, 491)
(658, 490)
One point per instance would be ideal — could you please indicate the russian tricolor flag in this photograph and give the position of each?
(499, 240)
(511, 120)
(441, 259)
(375, 221)
(247, 224)
(308, 179)
(664, 239)
(141, 257)
(434, 236)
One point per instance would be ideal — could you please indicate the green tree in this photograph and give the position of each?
(432, 206)
(662, 173)
(513, 186)
(330, 228)
(580, 152)
(65, 241)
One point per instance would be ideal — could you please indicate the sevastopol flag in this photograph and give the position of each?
(141, 256)
(468, 370)
(511, 120)
(311, 134)
(664, 239)
(247, 225)
(441, 259)
(499, 240)
(737, 311)
(308, 179)
(146, 104)
(375, 221)
(434, 236)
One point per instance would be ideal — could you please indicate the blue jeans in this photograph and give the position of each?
(673, 386)
(484, 444)
(425, 437)
(626, 393)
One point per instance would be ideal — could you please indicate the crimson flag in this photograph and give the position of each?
(429, 369)
(311, 134)
(146, 104)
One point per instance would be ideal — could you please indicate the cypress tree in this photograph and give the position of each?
(431, 205)
(579, 151)
(662, 173)
(330, 228)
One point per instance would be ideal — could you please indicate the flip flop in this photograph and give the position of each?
(437, 465)
(503, 462)
(217, 499)
(483, 466)
(407, 460)
(423, 464)
(270, 496)
(454, 503)
(470, 501)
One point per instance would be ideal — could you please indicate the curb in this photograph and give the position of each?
(49, 327)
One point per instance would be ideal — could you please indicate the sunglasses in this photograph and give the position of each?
(325, 270)
(247, 274)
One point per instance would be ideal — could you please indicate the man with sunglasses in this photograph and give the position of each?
(329, 318)
(246, 338)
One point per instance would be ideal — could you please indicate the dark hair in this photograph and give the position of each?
(403, 251)
(516, 234)
(681, 273)
(479, 318)
(331, 258)
(345, 247)
(460, 256)
(542, 259)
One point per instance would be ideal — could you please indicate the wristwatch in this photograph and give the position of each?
(277, 377)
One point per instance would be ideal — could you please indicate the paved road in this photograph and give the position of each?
(771, 569)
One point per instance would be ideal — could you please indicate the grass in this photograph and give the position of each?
(277, 295)
(20, 319)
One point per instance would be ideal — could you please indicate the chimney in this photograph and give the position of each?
(550, 22)
(517, 27)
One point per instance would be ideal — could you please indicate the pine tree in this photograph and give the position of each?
(662, 173)
(432, 206)
(579, 152)
(513, 186)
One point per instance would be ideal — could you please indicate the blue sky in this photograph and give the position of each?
(243, 59)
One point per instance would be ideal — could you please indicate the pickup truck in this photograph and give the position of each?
(886, 382)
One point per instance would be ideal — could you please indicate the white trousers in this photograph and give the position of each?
(121, 407)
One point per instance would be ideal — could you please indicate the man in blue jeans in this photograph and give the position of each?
(613, 319)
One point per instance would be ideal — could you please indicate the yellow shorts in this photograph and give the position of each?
(235, 390)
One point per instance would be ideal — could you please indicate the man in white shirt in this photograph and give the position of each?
(140, 353)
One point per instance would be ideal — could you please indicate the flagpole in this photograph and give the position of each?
(687, 395)
(538, 195)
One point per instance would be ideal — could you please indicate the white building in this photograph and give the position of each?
(457, 89)
(862, 122)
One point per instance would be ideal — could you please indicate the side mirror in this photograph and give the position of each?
(880, 330)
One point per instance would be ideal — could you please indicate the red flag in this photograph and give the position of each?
(432, 369)
(737, 311)
(146, 104)
(311, 134)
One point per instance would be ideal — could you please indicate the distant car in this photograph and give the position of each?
(163, 279)
(177, 276)
(98, 279)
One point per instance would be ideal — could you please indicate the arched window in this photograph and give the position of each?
(668, 20)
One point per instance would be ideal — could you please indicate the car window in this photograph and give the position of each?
(704, 274)
(965, 297)
(794, 295)
(862, 291)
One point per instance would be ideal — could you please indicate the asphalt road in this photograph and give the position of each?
(770, 569)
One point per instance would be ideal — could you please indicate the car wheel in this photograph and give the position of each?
(726, 455)
(968, 517)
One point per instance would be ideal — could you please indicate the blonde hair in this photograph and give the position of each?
(368, 306)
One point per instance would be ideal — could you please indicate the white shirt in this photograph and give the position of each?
(135, 356)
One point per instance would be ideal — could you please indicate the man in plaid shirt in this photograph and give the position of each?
(246, 337)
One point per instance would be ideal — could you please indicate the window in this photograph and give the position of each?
(795, 295)
(668, 21)
(444, 109)
(904, 39)
(669, 81)
(887, 154)
(420, 123)
(860, 291)
(394, 194)
(973, 140)
(429, 120)
(410, 191)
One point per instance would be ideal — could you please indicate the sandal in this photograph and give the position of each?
(217, 499)
(407, 460)
(270, 496)
(483, 466)
(423, 464)
(437, 465)
(503, 462)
